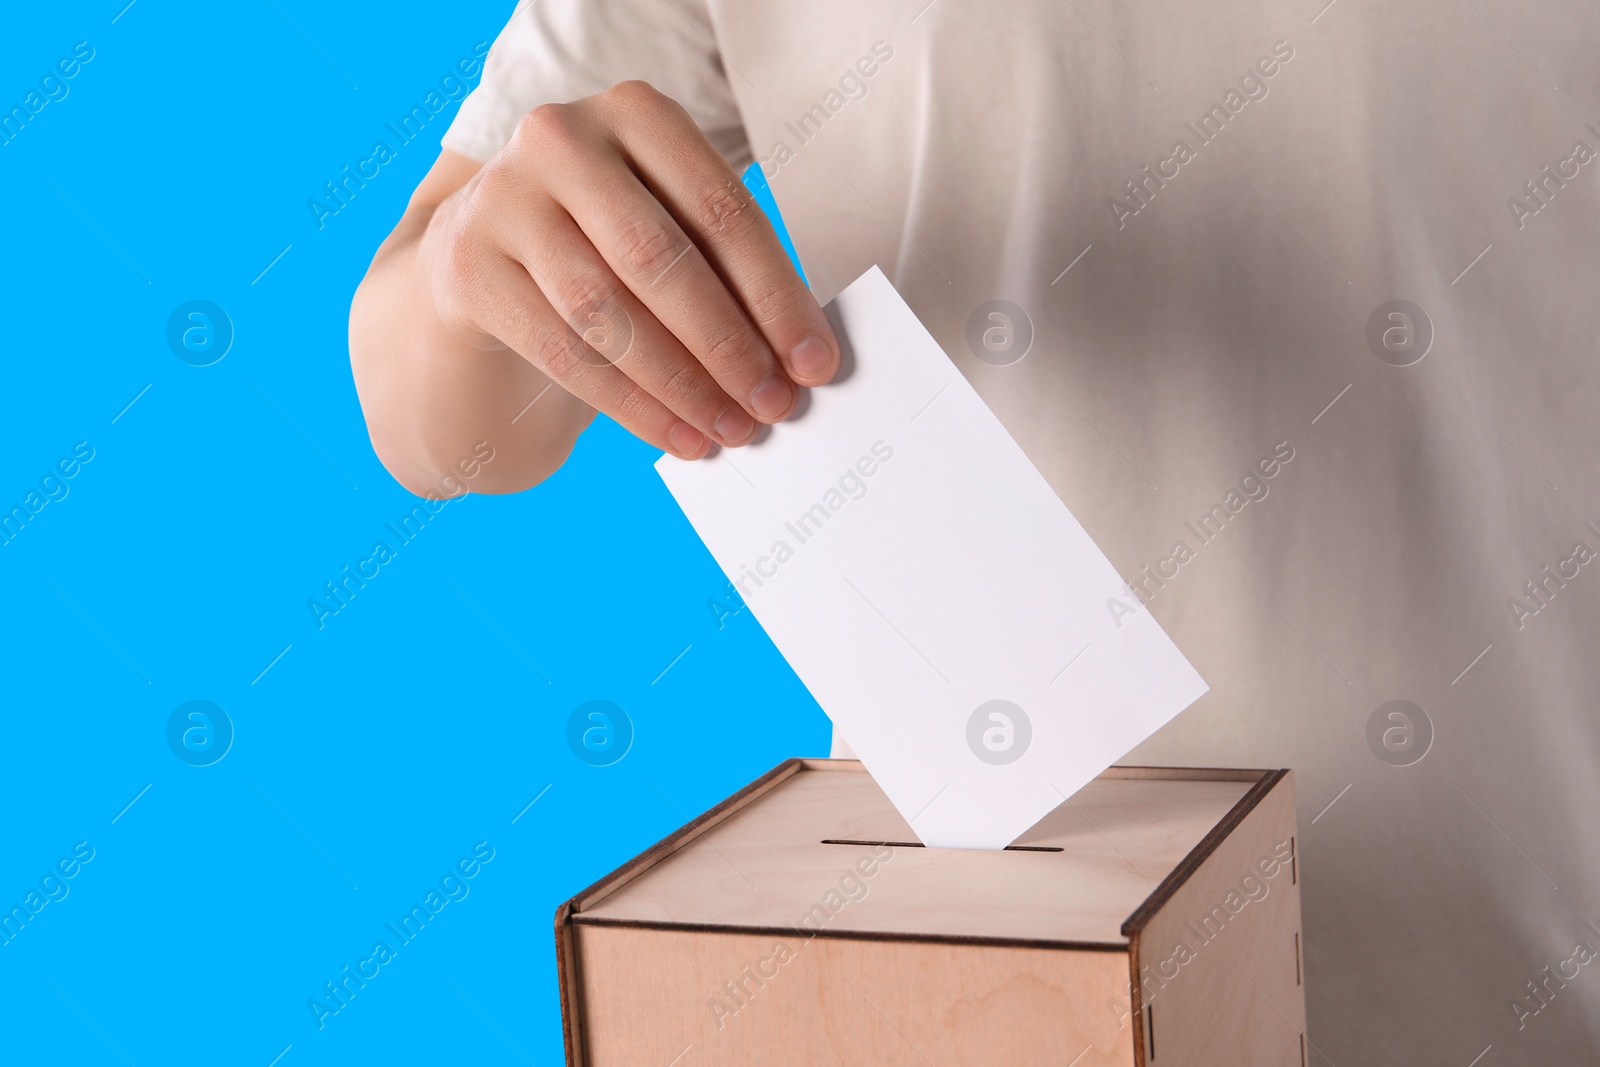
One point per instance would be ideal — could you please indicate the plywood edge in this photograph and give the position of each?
(1057, 945)
(1184, 774)
(819, 763)
(568, 987)
(659, 851)
(1116, 770)
(1208, 844)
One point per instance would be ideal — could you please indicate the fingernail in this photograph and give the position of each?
(685, 439)
(772, 397)
(810, 358)
(733, 425)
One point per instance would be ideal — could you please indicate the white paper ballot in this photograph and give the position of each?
(923, 580)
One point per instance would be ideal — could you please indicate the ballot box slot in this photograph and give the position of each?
(919, 844)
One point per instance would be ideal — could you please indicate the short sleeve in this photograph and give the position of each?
(554, 51)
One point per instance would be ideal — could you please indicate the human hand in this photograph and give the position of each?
(613, 248)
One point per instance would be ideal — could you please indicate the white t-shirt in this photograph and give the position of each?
(1206, 213)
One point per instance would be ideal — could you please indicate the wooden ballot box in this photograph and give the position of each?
(1152, 920)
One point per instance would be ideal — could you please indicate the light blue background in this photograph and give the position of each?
(380, 749)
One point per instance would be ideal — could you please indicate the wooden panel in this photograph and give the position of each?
(688, 832)
(657, 997)
(1218, 962)
(762, 865)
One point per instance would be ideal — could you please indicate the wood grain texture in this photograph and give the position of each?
(687, 833)
(1202, 851)
(763, 864)
(1217, 963)
(649, 997)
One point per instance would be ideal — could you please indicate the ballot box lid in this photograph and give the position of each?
(815, 848)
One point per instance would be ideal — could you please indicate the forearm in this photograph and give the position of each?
(431, 395)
